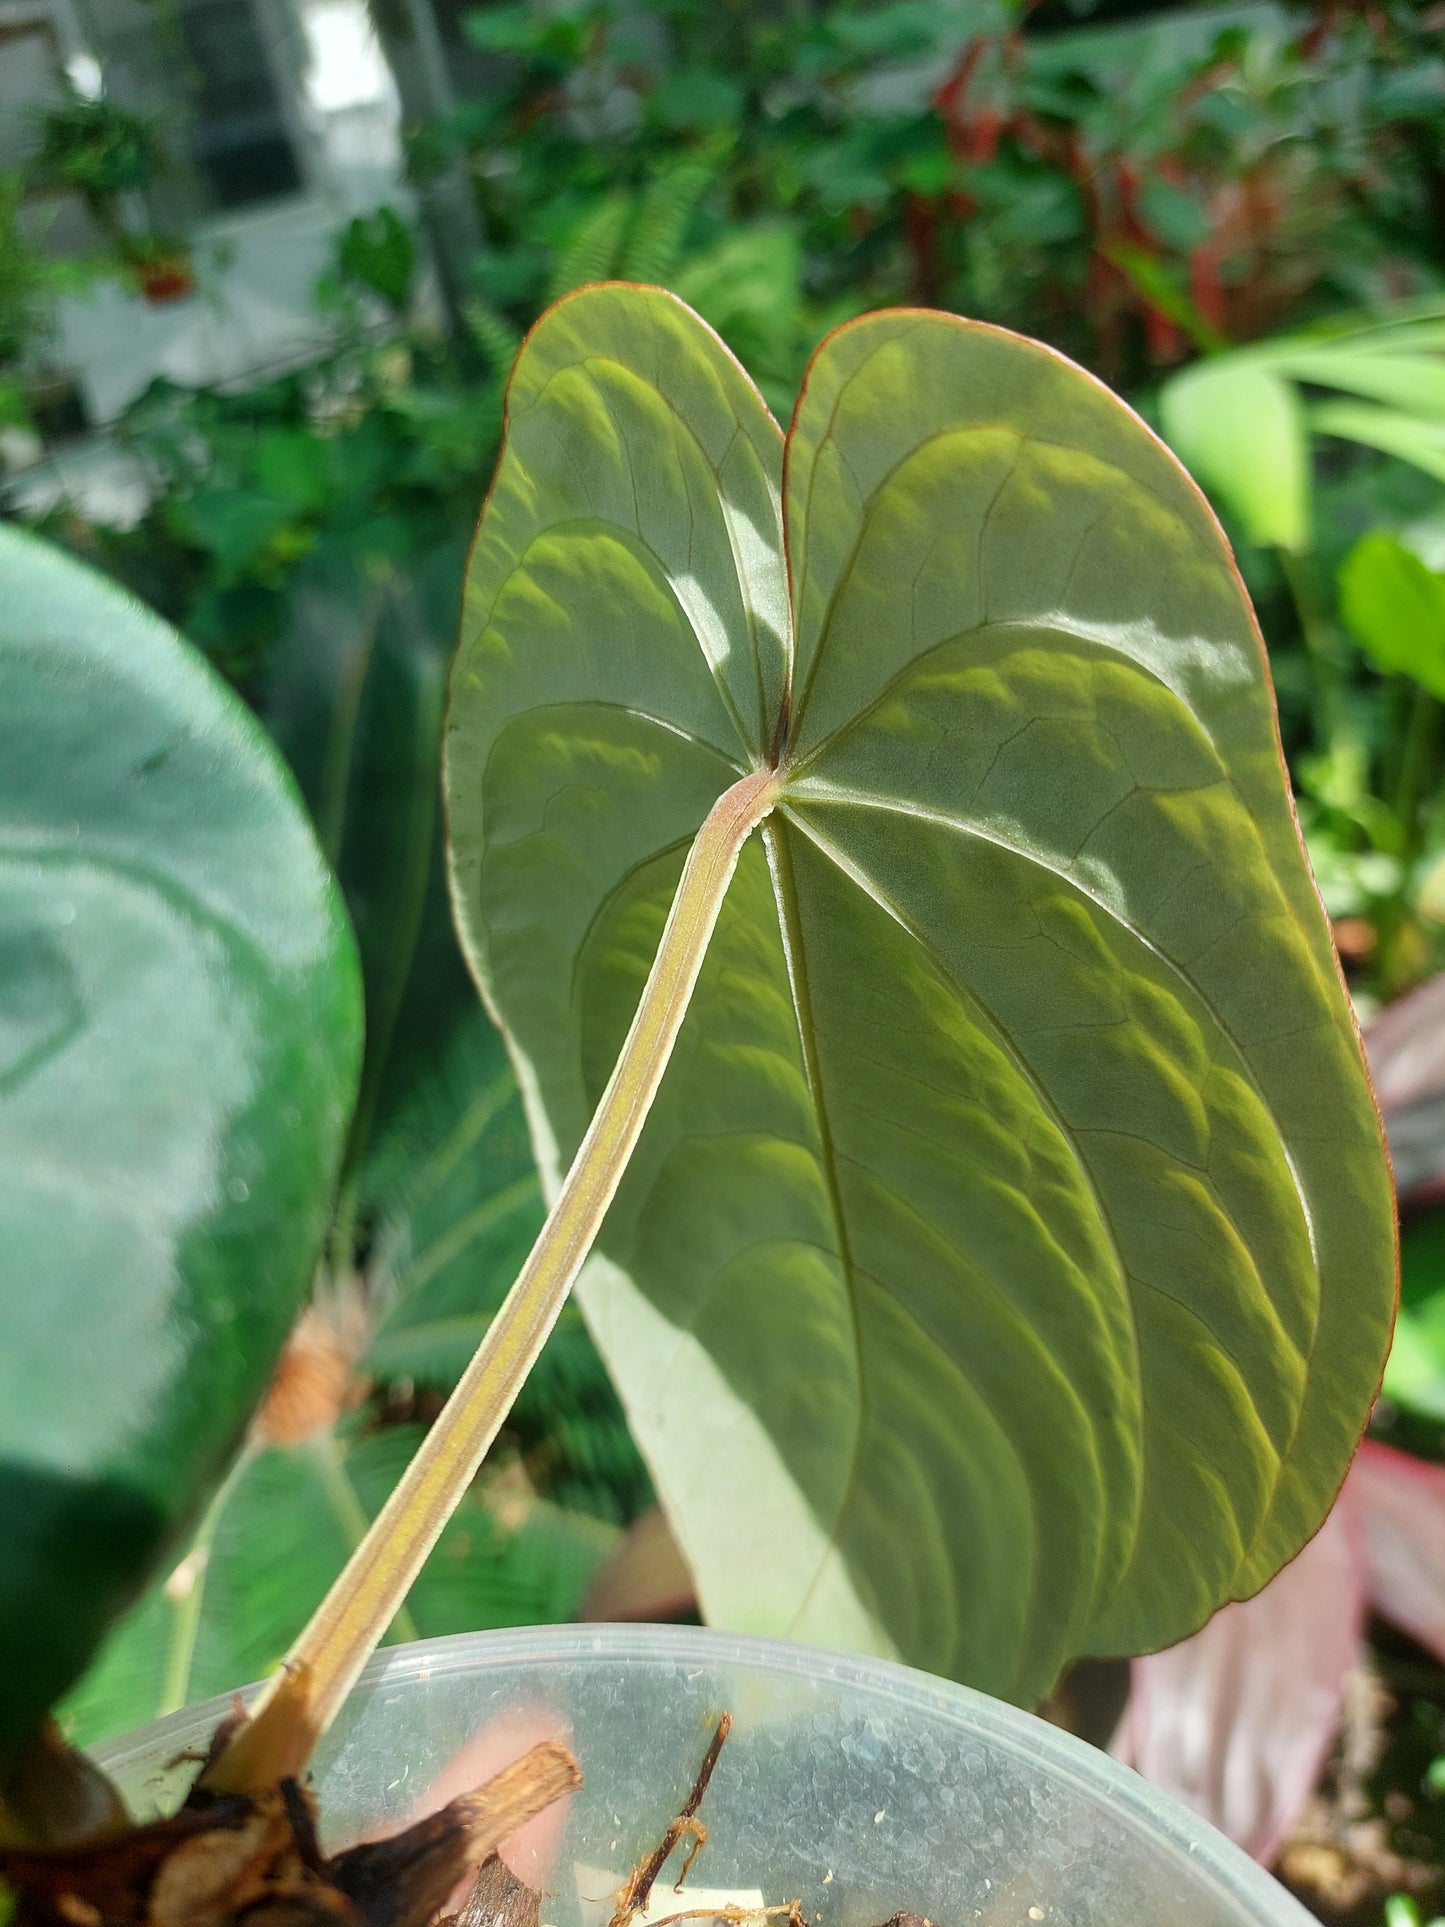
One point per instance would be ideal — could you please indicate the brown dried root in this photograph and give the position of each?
(789, 1910)
(225, 1858)
(635, 1893)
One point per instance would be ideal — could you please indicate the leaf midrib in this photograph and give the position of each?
(1006, 1042)
(790, 933)
(1283, 1453)
(1242, 1065)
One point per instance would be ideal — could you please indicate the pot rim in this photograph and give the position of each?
(1157, 1816)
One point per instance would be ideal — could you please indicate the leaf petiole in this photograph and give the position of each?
(304, 1696)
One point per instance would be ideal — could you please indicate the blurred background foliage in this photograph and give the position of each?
(1235, 214)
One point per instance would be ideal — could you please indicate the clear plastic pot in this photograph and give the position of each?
(855, 1787)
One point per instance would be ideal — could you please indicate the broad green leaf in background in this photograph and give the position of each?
(377, 250)
(179, 1035)
(278, 1533)
(749, 286)
(1415, 1373)
(1395, 607)
(1406, 1046)
(1006, 1267)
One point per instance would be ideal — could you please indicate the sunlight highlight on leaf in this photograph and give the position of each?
(1014, 1202)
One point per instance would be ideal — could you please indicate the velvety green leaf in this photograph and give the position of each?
(1172, 213)
(1239, 427)
(502, 29)
(179, 1033)
(1395, 607)
(1006, 1268)
(697, 101)
(377, 250)
(236, 525)
(295, 469)
(450, 1197)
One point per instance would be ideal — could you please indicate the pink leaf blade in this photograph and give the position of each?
(1405, 1044)
(1237, 1721)
(1399, 1501)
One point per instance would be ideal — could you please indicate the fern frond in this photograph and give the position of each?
(493, 334)
(654, 245)
(467, 1098)
(592, 249)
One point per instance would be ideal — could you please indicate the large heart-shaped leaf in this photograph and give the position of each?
(179, 1034)
(1006, 1267)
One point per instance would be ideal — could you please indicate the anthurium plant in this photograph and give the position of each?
(875, 847)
